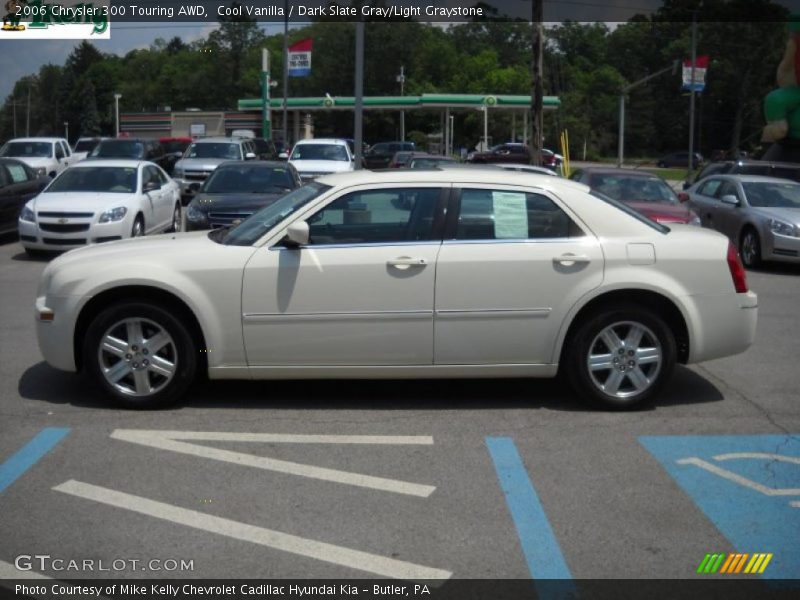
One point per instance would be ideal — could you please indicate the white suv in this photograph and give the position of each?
(46, 156)
(317, 157)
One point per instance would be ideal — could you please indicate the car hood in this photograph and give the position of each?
(36, 162)
(202, 164)
(322, 166)
(209, 202)
(78, 201)
(790, 215)
(663, 212)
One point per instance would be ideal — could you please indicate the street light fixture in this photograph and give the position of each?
(116, 113)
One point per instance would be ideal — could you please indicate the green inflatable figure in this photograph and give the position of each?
(11, 22)
(780, 106)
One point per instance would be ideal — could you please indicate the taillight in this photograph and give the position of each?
(737, 270)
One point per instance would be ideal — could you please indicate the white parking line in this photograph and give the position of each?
(339, 555)
(168, 440)
(736, 478)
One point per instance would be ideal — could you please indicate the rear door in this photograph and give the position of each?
(512, 265)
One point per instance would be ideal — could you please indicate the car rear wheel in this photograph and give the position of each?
(140, 354)
(620, 357)
(750, 249)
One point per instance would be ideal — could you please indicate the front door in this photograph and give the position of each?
(360, 292)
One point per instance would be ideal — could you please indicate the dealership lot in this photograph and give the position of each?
(461, 479)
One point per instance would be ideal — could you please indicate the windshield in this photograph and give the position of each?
(175, 146)
(634, 189)
(319, 152)
(28, 149)
(118, 149)
(249, 179)
(86, 145)
(772, 195)
(117, 180)
(252, 228)
(214, 150)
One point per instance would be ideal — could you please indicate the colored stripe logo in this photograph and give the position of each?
(723, 562)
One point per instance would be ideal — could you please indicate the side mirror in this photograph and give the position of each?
(297, 235)
(151, 186)
(249, 155)
(730, 199)
(683, 197)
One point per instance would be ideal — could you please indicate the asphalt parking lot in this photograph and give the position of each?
(416, 479)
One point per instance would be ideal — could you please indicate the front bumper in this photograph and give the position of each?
(55, 336)
(781, 247)
(34, 237)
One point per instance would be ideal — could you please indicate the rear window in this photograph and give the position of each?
(629, 211)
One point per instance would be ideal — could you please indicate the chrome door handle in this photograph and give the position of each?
(405, 261)
(571, 259)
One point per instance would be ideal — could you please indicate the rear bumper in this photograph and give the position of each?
(722, 325)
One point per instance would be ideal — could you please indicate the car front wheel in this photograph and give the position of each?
(750, 249)
(619, 358)
(140, 354)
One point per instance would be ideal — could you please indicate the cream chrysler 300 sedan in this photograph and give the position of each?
(418, 274)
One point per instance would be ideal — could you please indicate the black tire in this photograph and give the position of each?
(662, 165)
(177, 216)
(158, 390)
(750, 248)
(640, 381)
(137, 230)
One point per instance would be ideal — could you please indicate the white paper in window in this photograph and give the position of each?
(510, 215)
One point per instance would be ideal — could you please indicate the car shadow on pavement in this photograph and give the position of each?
(40, 258)
(43, 383)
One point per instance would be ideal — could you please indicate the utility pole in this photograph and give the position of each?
(537, 45)
(116, 114)
(691, 92)
(266, 124)
(402, 79)
(28, 114)
(286, 73)
(623, 92)
(358, 124)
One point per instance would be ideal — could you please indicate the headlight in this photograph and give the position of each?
(782, 228)
(192, 214)
(176, 172)
(41, 172)
(115, 214)
(695, 220)
(27, 215)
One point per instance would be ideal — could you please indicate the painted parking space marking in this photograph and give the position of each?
(27, 456)
(175, 441)
(749, 488)
(539, 544)
(331, 553)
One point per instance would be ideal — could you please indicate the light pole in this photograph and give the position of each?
(450, 141)
(402, 79)
(116, 114)
(66, 131)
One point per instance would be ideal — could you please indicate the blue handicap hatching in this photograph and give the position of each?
(747, 485)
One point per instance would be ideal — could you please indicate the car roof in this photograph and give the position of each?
(749, 178)
(37, 139)
(111, 162)
(617, 171)
(752, 162)
(218, 139)
(479, 177)
(272, 164)
(338, 141)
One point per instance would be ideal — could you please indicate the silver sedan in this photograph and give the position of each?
(761, 215)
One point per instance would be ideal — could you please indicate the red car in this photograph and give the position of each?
(644, 192)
